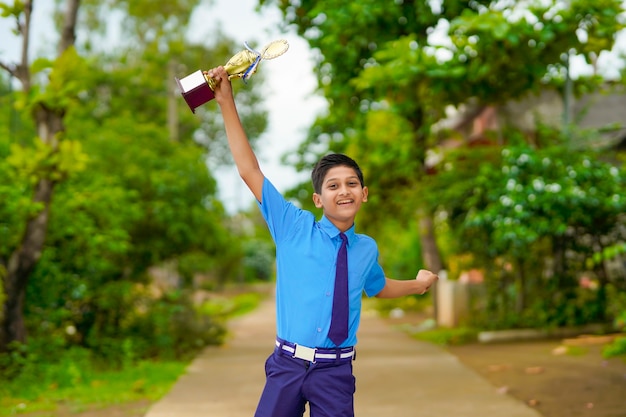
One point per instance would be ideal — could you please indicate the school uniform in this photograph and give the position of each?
(306, 366)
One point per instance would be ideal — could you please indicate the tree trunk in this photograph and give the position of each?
(172, 100)
(21, 264)
(603, 282)
(430, 253)
(49, 123)
(520, 284)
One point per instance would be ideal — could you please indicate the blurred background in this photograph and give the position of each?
(491, 134)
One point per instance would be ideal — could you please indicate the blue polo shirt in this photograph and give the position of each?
(306, 256)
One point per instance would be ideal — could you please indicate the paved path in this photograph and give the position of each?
(396, 377)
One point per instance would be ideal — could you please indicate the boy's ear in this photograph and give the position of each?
(317, 200)
(365, 194)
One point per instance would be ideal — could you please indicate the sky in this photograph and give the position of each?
(289, 84)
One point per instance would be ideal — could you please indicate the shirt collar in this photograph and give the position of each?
(332, 230)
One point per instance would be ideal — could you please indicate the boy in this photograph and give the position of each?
(312, 360)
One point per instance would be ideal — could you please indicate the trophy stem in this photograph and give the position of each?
(210, 81)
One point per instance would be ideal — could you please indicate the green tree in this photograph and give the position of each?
(390, 71)
(546, 215)
(53, 158)
(128, 193)
(388, 78)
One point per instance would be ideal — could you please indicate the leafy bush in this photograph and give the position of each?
(411, 303)
(123, 323)
(534, 219)
(617, 348)
(168, 327)
(55, 367)
(194, 263)
(226, 307)
(258, 260)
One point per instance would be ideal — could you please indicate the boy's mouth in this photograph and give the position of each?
(344, 202)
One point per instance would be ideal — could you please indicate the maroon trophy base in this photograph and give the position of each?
(195, 90)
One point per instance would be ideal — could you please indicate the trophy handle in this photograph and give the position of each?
(274, 49)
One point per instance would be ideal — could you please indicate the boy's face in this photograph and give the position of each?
(341, 196)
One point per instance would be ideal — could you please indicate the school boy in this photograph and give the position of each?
(316, 333)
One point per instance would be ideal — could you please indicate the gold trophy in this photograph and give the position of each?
(197, 88)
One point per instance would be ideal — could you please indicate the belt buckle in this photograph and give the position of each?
(304, 353)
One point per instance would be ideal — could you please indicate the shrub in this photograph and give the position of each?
(617, 348)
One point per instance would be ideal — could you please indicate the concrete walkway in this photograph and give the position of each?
(396, 377)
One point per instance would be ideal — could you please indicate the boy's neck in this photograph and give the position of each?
(343, 226)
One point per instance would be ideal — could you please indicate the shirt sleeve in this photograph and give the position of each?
(280, 215)
(375, 279)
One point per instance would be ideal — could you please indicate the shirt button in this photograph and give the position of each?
(328, 294)
(319, 329)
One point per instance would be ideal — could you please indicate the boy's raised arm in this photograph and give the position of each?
(245, 159)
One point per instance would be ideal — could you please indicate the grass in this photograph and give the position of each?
(227, 307)
(447, 337)
(92, 389)
(424, 331)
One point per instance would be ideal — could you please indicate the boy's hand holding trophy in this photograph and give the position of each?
(197, 88)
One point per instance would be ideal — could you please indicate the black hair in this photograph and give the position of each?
(330, 161)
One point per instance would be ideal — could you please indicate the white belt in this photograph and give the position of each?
(316, 354)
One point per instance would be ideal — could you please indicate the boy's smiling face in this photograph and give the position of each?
(341, 196)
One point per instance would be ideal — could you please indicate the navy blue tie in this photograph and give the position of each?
(339, 321)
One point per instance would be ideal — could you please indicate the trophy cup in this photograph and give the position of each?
(197, 88)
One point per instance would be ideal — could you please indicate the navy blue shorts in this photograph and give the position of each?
(291, 383)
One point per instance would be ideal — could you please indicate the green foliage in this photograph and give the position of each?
(223, 307)
(65, 81)
(617, 307)
(399, 246)
(197, 262)
(610, 252)
(258, 262)
(129, 193)
(122, 322)
(12, 10)
(390, 72)
(532, 206)
(15, 200)
(419, 57)
(168, 328)
(51, 369)
(543, 192)
(496, 42)
(414, 303)
(44, 161)
(616, 348)
(77, 281)
(448, 337)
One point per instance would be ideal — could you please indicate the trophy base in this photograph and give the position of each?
(195, 90)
